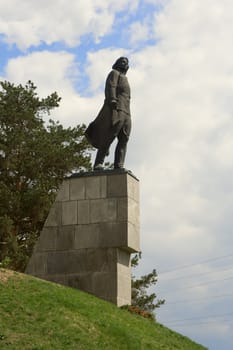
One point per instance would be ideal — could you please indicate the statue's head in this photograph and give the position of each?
(121, 64)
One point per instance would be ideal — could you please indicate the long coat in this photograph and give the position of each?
(117, 89)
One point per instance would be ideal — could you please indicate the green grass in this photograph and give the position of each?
(40, 315)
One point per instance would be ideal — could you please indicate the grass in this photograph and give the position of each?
(40, 315)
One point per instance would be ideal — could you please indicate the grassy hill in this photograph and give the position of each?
(39, 315)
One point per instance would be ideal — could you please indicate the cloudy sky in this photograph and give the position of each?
(181, 76)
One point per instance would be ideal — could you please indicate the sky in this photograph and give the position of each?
(181, 77)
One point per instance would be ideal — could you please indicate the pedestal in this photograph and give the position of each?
(91, 230)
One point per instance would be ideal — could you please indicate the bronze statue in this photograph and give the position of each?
(114, 118)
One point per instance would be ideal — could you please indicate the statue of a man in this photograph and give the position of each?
(114, 118)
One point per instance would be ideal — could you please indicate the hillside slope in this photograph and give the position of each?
(40, 315)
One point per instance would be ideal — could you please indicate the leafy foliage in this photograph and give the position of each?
(141, 300)
(34, 158)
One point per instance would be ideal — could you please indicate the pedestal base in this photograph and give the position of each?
(90, 232)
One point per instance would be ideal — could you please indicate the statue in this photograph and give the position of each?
(114, 118)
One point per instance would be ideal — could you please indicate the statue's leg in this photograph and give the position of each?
(123, 138)
(99, 160)
(104, 151)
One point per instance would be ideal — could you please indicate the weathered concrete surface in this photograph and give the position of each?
(90, 232)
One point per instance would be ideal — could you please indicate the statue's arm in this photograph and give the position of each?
(112, 85)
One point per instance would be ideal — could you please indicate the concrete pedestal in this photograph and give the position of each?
(91, 230)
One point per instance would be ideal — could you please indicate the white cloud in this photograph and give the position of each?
(140, 32)
(55, 72)
(47, 69)
(199, 24)
(157, 2)
(33, 22)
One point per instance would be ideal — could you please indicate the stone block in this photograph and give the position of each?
(54, 217)
(123, 290)
(65, 238)
(122, 209)
(133, 212)
(82, 260)
(77, 188)
(122, 301)
(93, 187)
(133, 188)
(133, 238)
(57, 263)
(101, 260)
(104, 285)
(87, 236)
(101, 235)
(82, 281)
(66, 262)
(123, 259)
(48, 239)
(83, 212)
(103, 186)
(123, 278)
(64, 192)
(102, 210)
(113, 234)
(38, 264)
(60, 279)
(96, 187)
(117, 185)
(69, 213)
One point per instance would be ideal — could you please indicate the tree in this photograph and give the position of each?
(142, 302)
(34, 158)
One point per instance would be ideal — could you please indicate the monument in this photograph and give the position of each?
(93, 225)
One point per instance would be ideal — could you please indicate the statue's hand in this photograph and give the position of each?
(113, 104)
